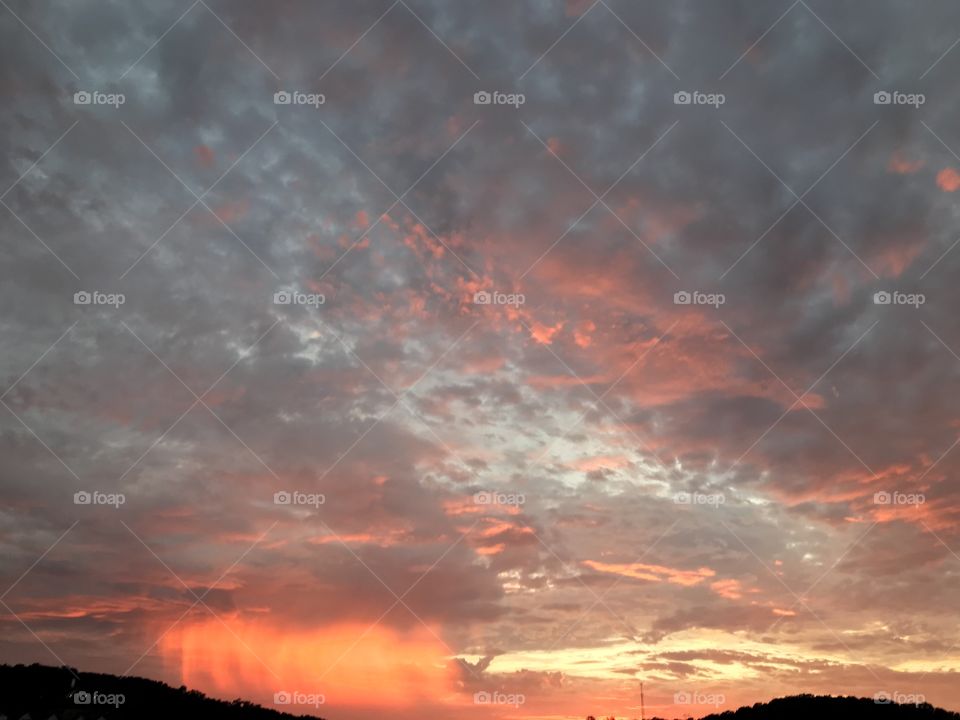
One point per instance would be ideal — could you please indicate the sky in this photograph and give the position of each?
(482, 360)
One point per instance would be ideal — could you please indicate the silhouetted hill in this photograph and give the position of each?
(827, 707)
(43, 692)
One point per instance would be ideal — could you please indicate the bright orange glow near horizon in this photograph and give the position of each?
(349, 664)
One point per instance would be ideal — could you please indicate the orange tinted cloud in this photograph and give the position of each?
(543, 334)
(902, 166)
(385, 539)
(232, 211)
(653, 573)
(582, 336)
(575, 8)
(470, 506)
(730, 589)
(492, 550)
(948, 180)
(894, 259)
(82, 606)
(342, 662)
(601, 462)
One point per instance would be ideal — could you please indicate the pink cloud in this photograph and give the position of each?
(901, 165)
(653, 573)
(948, 180)
(204, 155)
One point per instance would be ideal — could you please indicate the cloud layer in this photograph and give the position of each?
(561, 396)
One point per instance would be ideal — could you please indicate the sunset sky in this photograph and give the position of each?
(702, 436)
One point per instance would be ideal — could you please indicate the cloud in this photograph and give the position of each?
(598, 399)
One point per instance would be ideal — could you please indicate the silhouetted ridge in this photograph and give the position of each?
(43, 692)
(827, 707)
